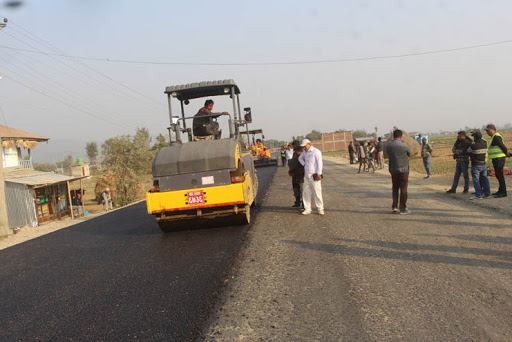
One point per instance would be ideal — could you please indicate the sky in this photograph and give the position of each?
(300, 65)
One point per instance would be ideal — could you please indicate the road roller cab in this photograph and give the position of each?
(204, 176)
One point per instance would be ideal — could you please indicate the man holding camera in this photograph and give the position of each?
(311, 159)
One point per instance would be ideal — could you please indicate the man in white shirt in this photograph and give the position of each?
(289, 153)
(311, 159)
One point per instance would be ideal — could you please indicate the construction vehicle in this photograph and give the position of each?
(262, 155)
(203, 177)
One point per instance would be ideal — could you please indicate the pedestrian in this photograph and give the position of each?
(107, 199)
(461, 156)
(289, 153)
(371, 156)
(351, 152)
(380, 152)
(361, 156)
(478, 155)
(283, 155)
(296, 171)
(426, 154)
(398, 154)
(311, 159)
(497, 152)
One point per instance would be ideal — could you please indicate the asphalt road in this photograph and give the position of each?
(361, 273)
(117, 278)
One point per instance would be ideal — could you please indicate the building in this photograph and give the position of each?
(32, 197)
(333, 141)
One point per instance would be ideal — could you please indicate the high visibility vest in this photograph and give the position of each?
(495, 151)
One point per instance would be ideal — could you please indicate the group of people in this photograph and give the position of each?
(369, 154)
(306, 169)
(478, 151)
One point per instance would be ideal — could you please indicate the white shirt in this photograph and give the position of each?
(289, 154)
(312, 162)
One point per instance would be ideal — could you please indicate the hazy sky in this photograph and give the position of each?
(450, 90)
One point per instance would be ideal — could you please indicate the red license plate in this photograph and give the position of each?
(195, 197)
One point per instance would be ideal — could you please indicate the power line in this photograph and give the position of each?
(52, 47)
(324, 61)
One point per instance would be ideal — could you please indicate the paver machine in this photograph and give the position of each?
(260, 152)
(202, 177)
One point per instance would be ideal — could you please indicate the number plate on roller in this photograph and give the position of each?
(195, 197)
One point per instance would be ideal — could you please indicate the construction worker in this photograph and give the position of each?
(496, 152)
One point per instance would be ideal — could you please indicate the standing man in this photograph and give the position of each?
(426, 154)
(311, 159)
(283, 155)
(351, 152)
(497, 152)
(398, 154)
(478, 154)
(380, 150)
(460, 154)
(296, 171)
(289, 153)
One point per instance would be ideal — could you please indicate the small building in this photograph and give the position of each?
(333, 141)
(32, 197)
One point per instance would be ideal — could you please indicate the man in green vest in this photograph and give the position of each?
(497, 152)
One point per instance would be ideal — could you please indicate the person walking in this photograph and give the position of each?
(371, 156)
(478, 155)
(461, 156)
(351, 152)
(380, 152)
(426, 154)
(361, 156)
(399, 154)
(497, 152)
(311, 159)
(296, 171)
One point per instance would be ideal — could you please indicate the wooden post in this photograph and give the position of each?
(82, 197)
(70, 201)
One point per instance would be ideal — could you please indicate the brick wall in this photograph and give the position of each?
(333, 141)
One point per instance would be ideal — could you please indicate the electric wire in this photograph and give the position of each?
(324, 61)
(52, 47)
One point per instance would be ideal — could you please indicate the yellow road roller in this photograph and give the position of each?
(204, 175)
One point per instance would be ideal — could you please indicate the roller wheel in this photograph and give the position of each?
(244, 217)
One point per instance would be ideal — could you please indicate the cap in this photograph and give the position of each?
(305, 142)
(107, 189)
(490, 126)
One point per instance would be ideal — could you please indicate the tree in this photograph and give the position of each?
(128, 159)
(359, 133)
(161, 141)
(66, 164)
(91, 148)
(314, 135)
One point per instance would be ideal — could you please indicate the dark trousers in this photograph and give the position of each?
(297, 193)
(352, 158)
(461, 168)
(400, 182)
(499, 164)
(283, 159)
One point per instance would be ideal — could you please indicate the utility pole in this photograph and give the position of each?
(4, 224)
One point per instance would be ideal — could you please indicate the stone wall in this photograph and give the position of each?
(333, 141)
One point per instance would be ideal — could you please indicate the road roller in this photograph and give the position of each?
(261, 154)
(202, 175)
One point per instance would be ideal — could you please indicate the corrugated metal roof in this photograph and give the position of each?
(34, 178)
(9, 133)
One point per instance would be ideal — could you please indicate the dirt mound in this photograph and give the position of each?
(413, 144)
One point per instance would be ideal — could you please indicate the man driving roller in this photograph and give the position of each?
(204, 123)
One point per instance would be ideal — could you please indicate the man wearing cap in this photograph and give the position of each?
(478, 154)
(461, 156)
(497, 152)
(311, 159)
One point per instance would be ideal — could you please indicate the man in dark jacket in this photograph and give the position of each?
(460, 154)
(351, 152)
(296, 170)
(497, 152)
(478, 154)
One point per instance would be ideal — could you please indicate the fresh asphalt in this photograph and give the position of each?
(117, 277)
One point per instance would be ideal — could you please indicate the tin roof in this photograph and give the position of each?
(35, 178)
(9, 133)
